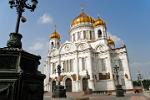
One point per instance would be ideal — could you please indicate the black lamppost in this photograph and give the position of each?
(59, 91)
(116, 68)
(20, 5)
(88, 91)
(139, 76)
(119, 90)
(59, 71)
(19, 75)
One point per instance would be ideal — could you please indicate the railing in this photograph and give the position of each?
(102, 92)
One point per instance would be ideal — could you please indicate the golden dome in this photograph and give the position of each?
(98, 22)
(55, 35)
(110, 41)
(82, 18)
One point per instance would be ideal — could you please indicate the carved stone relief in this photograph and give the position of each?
(104, 76)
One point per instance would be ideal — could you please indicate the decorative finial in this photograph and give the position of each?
(122, 43)
(98, 15)
(82, 7)
(55, 28)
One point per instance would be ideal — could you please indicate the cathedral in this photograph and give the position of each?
(88, 59)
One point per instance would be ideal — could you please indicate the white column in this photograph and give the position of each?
(128, 81)
(90, 71)
(109, 65)
(76, 68)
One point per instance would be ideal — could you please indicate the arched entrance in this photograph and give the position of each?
(53, 85)
(68, 84)
(84, 84)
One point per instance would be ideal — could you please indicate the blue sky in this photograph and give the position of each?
(126, 20)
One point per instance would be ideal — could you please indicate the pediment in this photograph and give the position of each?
(67, 47)
(83, 46)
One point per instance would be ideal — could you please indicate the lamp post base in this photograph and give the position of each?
(14, 41)
(59, 92)
(119, 91)
(19, 75)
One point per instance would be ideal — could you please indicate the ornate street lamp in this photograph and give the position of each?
(59, 71)
(19, 75)
(20, 5)
(87, 75)
(116, 68)
(119, 90)
(59, 91)
(139, 76)
(88, 91)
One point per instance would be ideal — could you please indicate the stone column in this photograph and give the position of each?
(77, 72)
(90, 71)
(109, 65)
(126, 67)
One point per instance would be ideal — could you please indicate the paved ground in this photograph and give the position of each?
(81, 96)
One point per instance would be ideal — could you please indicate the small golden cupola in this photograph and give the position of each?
(110, 41)
(55, 35)
(99, 22)
(82, 18)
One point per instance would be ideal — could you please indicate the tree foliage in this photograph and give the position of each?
(146, 84)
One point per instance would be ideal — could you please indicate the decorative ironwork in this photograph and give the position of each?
(59, 90)
(104, 76)
(20, 5)
(119, 90)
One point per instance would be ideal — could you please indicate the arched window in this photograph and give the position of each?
(120, 64)
(84, 34)
(53, 68)
(73, 37)
(123, 82)
(58, 44)
(78, 35)
(52, 44)
(83, 63)
(99, 33)
(91, 35)
(103, 61)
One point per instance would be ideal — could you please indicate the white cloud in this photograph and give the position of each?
(36, 46)
(45, 19)
(39, 46)
(118, 41)
(140, 64)
(142, 67)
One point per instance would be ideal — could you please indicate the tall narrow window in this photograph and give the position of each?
(99, 65)
(91, 35)
(68, 64)
(78, 35)
(58, 44)
(123, 82)
(103, 65)
(64, 67)
(120, 65)
(99, 33)
(53, 67)
(84, 34)
(83, 63)
(52, 44)
(73, 37)
(71, 65)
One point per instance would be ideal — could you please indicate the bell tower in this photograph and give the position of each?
(100, 29)
(54, 42)
(111, 43)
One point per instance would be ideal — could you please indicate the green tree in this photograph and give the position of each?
(146, 84)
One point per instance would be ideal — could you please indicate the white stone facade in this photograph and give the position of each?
(88, 53)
